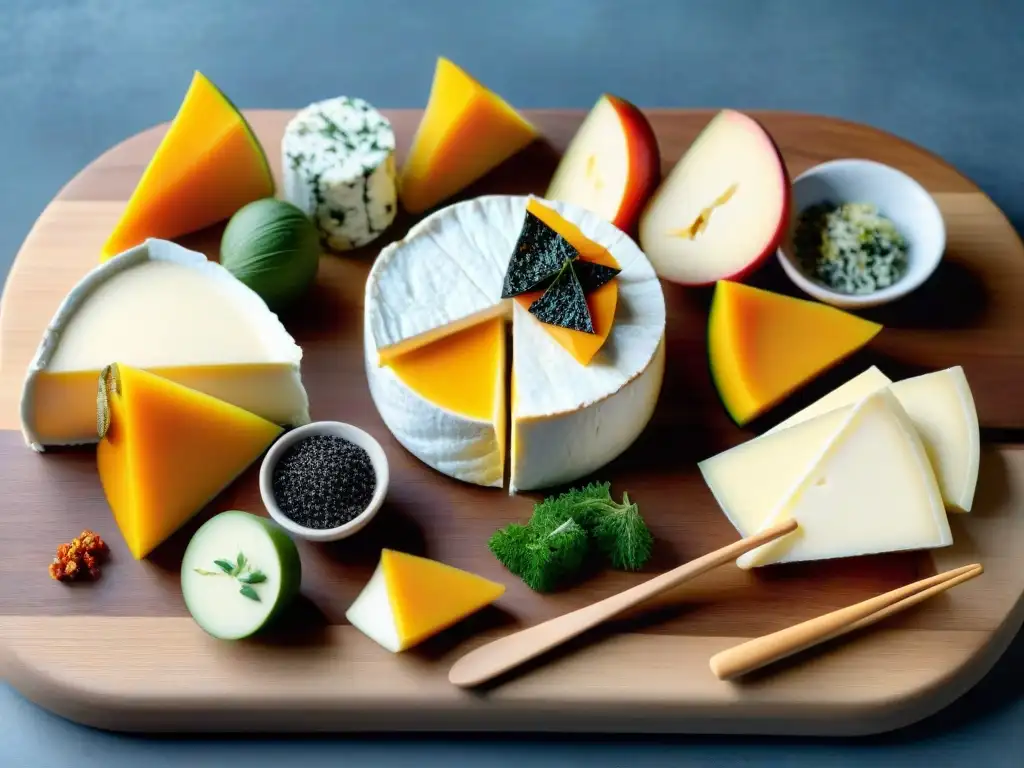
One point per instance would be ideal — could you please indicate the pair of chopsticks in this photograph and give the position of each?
(505, 654)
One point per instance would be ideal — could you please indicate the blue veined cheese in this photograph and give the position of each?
(338, 161)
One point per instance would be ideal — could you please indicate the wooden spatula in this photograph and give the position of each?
(501, 656)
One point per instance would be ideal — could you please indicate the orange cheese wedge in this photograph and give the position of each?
(410, 598)
(208, 165)
(466, 131)
(602, 302)
(167, 450)
(762, 345)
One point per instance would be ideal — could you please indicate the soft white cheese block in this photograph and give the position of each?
(170, 310)
(871, 490)
(750, 480)
(567, 419)
(338, 163)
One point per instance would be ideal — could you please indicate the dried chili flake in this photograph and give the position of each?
(79, 559)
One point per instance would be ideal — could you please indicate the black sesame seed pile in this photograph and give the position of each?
(324, 481)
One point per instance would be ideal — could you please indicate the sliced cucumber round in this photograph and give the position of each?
(239, 572)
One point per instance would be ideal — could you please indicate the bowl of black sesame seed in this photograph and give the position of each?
(324, 481)
(863, 234)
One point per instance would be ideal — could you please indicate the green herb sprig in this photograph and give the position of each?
(242, 571)
(567, 530)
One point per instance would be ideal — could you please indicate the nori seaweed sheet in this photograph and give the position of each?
(564, 303)
(593, 275)
(539, 254)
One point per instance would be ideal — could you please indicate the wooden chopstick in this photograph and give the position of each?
(503, 655)
(754, 654)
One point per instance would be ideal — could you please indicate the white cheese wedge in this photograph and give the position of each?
(338, 163)
(942, 408)
(855, 390)
(751, 480)
(567, 419)
(170, 310)
(871, 490)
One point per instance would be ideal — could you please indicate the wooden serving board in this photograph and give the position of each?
(122, 653)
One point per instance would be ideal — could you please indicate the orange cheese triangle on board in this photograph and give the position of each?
(602, 302)
(466, 131)
(208, 165)
(762, 345)
(167, 451)
(427, 596)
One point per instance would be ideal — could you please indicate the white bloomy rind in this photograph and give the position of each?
(371, 613)
(338, 163)
(160, 305)
(567, 419)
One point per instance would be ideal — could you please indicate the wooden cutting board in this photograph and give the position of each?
(122, 653)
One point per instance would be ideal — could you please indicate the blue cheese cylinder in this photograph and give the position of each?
(338, 160)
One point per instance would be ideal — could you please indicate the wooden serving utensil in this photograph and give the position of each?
(754, 654)
(507, 653)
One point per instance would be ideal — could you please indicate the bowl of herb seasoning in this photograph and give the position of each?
(324, 481)
(863, 234)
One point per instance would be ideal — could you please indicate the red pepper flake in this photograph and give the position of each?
(79, 559)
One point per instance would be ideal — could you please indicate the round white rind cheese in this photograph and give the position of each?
(567, 419)
(338, 164)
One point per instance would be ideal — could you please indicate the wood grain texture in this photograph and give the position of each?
(122, 653)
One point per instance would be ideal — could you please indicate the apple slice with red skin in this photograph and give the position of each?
(612, 164)
(723, 209)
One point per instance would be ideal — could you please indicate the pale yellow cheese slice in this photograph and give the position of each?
(871, 490)
(856, 389)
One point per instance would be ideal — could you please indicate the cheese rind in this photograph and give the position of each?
(338, 162)
(871, 490)
(168, 309)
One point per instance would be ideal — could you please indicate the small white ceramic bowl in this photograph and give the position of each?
(897, 196)
(338, 429)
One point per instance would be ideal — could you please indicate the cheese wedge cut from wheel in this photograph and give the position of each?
(410, 598)
(762, 345)
(208, 165)
(871, 490)
(167, 450)
(455, 388)
(753, 478)
(171, 311)
(466, 131)
(567, 418)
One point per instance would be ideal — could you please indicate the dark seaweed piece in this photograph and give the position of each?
(593, 275)
(537, 258)
(564, 303)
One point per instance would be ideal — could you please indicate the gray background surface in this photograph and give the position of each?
(77, 76)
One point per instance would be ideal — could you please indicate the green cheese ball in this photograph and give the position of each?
(272, 247)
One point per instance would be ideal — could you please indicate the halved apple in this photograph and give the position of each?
(612, 164)
(723, 208)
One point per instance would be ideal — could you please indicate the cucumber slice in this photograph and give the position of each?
(220, 595)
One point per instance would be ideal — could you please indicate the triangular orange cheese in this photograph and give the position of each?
(167, 451)
(466, 131)
(602, 302)
(208, 165)
(427, 596)
(762, 345)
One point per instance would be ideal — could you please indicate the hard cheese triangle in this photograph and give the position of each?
(208, 165)
(167, 451)
(465, 132)
(410, 598)
(752, 479)
(762, 345)
(871, 490)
